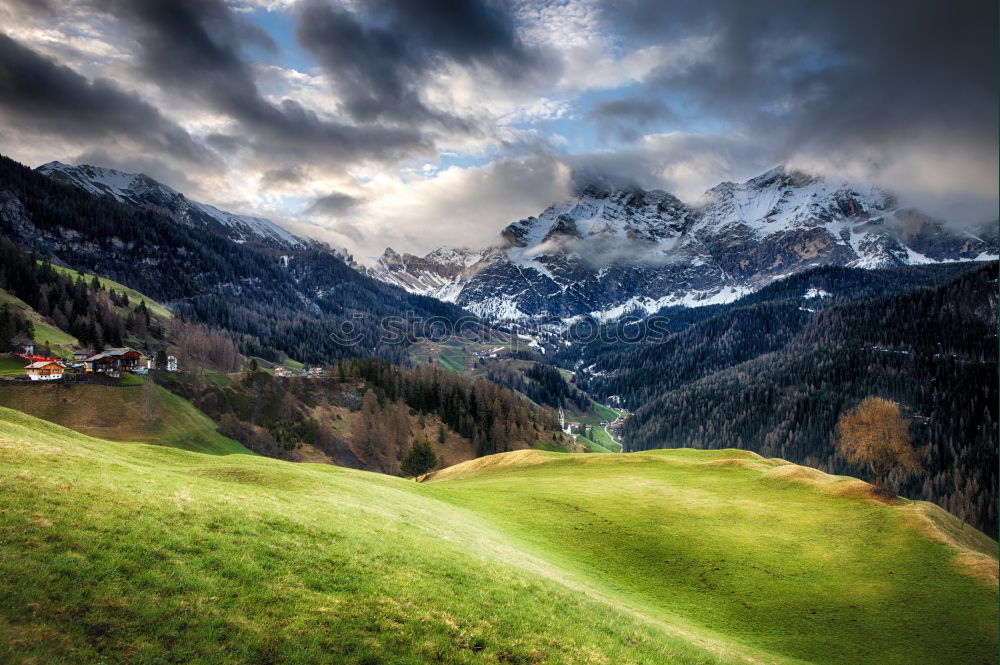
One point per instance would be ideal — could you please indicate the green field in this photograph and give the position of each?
(128, 553)
(119, 414)
(12, 366)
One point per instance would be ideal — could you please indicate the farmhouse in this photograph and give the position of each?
(113, 361)
(44, 370)
(81, 355)
(23, 345)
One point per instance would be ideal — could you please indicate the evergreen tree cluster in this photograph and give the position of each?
(493, 417)
(13, 326)
(540, 382)
(272, 416)
(85, 310)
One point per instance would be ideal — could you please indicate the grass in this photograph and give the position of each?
(455, 358)
(747, 553)
(134, 296)
(138, 554)
(118, 414)
(12, 366)
(128, 553)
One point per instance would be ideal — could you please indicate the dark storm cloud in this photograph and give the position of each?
(627, 118)
(379, 57)
(333, 204)
(199, 47)
(819, 74)
(284, 175)
(39, 94)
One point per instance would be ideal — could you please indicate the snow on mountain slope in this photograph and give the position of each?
(142, 191)
(608, 252)
(437, 274)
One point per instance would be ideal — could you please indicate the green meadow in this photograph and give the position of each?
(122, 414)
(118, 552)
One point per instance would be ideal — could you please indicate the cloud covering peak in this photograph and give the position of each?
(411, 124)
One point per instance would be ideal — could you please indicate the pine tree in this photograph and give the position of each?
(419, 459)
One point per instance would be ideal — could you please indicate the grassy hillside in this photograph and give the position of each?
(783, 558)
(142, 554)
(45, 333)
(121, 414)
(593, 417)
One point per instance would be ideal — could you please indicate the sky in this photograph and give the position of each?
(420, 123)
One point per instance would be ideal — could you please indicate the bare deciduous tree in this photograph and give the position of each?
(876, 435)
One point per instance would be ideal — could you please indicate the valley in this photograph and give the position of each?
(480, 332)
(650, 478)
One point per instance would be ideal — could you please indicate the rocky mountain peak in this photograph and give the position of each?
(615, 250)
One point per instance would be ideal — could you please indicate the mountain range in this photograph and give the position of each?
(274, 294)
(609, 252)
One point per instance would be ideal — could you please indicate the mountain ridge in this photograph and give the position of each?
(609, 252)
(140, 190)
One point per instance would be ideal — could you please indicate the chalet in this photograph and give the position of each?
(81, 355)
(283, 372)
(315, 372)
(113, 361)
(44, 370)
(23, 345)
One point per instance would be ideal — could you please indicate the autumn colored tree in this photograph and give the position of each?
(876, 435)
(419, 459)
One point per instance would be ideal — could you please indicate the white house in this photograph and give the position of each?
(44, 370)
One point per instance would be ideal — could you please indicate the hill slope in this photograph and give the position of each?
(130, 553)
(123, 414)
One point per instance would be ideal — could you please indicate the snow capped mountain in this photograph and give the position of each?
(609, 252)
(142, 191)
(437, 274)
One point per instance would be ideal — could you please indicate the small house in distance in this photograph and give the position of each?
(283, 372)
(114, 361)
(81, 355)
(171, 363)
(44, 370)
(23, 345)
